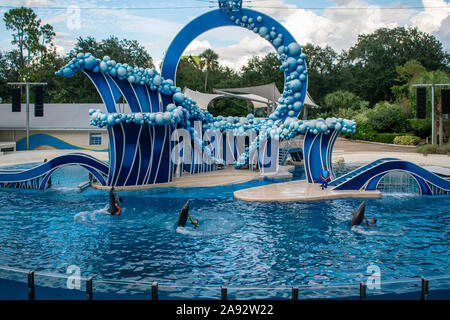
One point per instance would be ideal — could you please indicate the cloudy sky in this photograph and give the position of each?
(154, 23)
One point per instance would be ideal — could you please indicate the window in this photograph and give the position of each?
(95, 139)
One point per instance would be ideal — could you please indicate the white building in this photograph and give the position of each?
(63, 126)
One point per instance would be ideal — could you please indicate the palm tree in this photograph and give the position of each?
(209, 61)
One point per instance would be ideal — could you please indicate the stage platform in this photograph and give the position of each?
(298, 190)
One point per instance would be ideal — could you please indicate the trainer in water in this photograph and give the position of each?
(372, 223)
(114, 208)
(184, 215)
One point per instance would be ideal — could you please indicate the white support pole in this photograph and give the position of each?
(28, 115)
(433, 120)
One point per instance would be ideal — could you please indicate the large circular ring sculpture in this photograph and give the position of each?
(293, 60)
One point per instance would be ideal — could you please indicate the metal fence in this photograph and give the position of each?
(90, 285)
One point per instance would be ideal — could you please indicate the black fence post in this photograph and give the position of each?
(224, 293)
(294, 293)
(89, 288)
(31, 295)
(362, 291)
(424, 294)
(155, 291)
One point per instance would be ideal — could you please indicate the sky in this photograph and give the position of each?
(335, 23)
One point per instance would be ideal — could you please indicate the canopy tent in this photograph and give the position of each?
(268, 91)
(261, 96)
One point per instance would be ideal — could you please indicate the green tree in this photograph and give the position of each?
(341, 99)
(386, 117)
(208, 61)
(8, 72)
(229, 107)
(328, 71)
(79, 88)
(30, 37)
(405, 75)
(124, 51)
(225, 77)
(189, 75)
(259, 71)
(375, 58)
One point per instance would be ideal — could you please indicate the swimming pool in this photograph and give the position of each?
(238, 244)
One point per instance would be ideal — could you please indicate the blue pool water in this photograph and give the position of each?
(238, 244)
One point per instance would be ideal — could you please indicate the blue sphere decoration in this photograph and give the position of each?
(121, 71)
(294, 49)
(296, 85)
(277, 42)
(178, 97)
(263, 31)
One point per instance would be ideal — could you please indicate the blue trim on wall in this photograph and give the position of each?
(43, 139)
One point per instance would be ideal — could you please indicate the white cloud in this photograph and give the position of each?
(277, 9)
(29, 3)
(152, 45)
(339, 28)
(237, 55)
(126, 22)
(430, 20)
(63, 41)
(196, 47)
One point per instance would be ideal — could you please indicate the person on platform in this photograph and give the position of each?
(325, 177)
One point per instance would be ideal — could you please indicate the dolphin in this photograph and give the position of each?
(182, 217)
(113, 200)
(358, 214)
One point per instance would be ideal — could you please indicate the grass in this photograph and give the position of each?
(434, 149)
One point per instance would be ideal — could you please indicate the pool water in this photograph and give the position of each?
(238, 244)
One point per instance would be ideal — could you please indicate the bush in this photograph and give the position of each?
(386, 137)
(407, 140)
(364, 131)
(420, 127)
(386, 117)
(434, 148)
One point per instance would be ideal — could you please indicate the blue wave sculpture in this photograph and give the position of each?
(369, 176)
(38, 177)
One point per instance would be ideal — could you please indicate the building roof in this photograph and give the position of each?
(56, 117)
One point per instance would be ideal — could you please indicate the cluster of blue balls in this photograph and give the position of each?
(282, 124)
(150, 77)
(173, 116)
(291, 128)
(293, 65)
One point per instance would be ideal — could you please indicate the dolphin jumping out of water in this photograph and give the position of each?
(183, 216)
(114, 208)
(358, 214)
